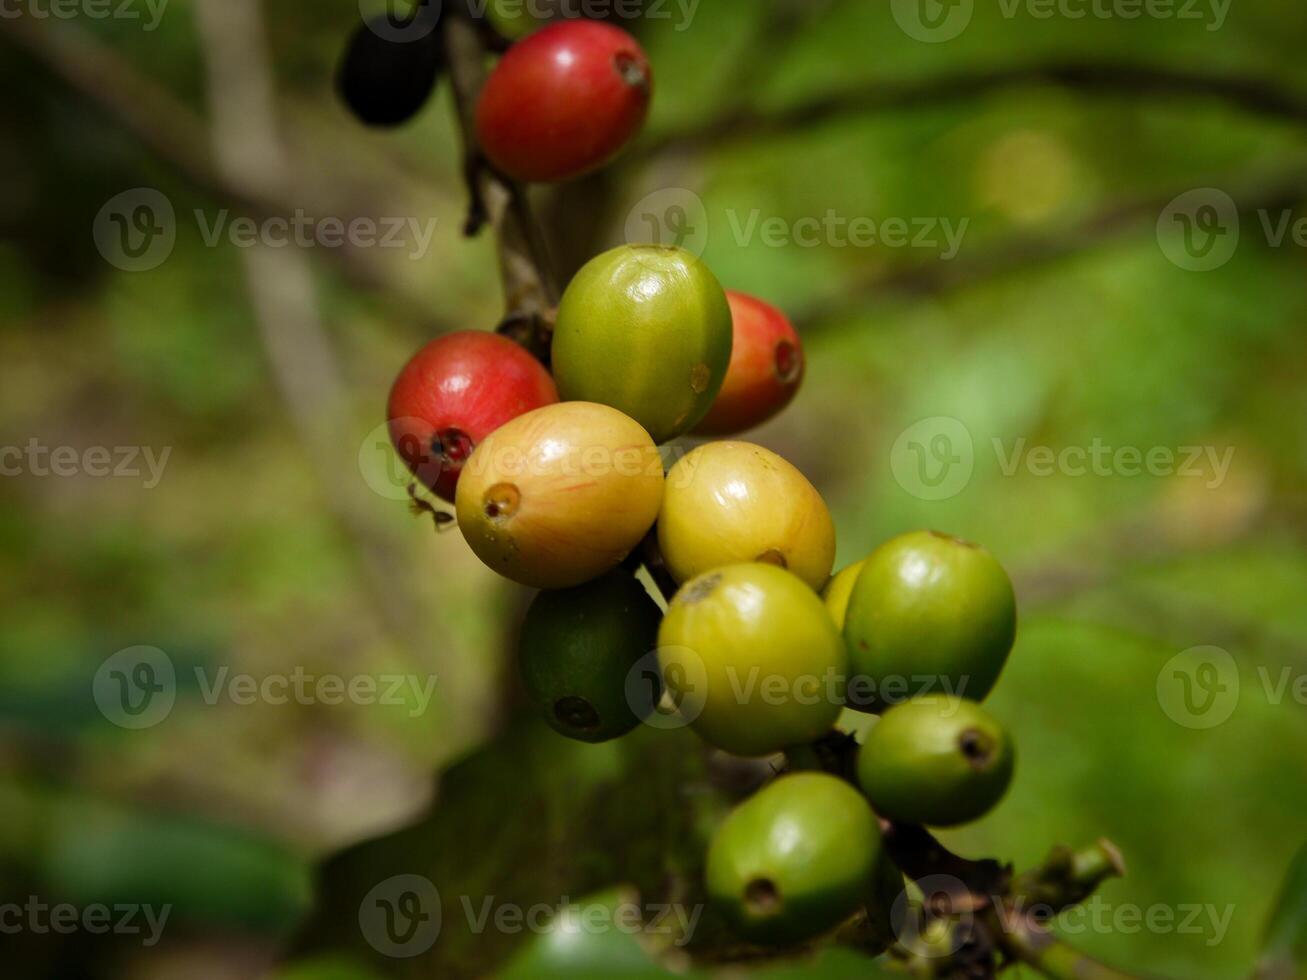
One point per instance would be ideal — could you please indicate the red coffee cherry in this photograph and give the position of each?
(564, 101)
(765, 371)
(453, 393)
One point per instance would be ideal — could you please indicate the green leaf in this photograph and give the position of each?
(1284, 948)
(524, 827)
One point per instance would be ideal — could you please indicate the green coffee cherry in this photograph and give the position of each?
(577, 648)
(935, 760)
(795, 860)
(752, 659)
(839, 589)
(647, 330)
(928, 609)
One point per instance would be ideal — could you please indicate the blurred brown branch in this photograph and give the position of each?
(1257, 96)
(529, 288)
(249, 154)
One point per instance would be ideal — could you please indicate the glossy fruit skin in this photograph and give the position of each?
(839, 589)
(564, 101)
(795, 860)
(385, 80)
(646, 329)
(576, 649)
(936, 760)
(765, 372)
(560, 495)
(753, 660)
(453, 393)
(730, 502)
(928, 606)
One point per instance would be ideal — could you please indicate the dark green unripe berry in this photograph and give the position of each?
(935, 760)
(577, 648)
(795, 860)
(928, 609)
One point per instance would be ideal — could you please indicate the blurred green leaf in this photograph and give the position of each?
(1284, 950)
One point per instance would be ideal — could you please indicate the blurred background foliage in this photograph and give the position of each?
(265, 546)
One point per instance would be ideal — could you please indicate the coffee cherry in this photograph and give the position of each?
(560, 495)
(729, 502)
(765, 371)
(795, 860)
(453, 393)
(564, 101)
(837, 592)
(935, 760)
(577, 648)
(752, 659)
(928, 605)
(391, 66)
(645, 329)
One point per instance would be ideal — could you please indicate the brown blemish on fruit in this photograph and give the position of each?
(789, 362)
(699, 378)
(700, 590)
(954, 538)
(762, 897)
(576, 714)
(977, 747)
(501, 501)
(633, 73)
(773, 557)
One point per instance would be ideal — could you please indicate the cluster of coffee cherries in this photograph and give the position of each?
(559, 483)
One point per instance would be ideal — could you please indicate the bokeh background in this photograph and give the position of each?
(276, 538)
